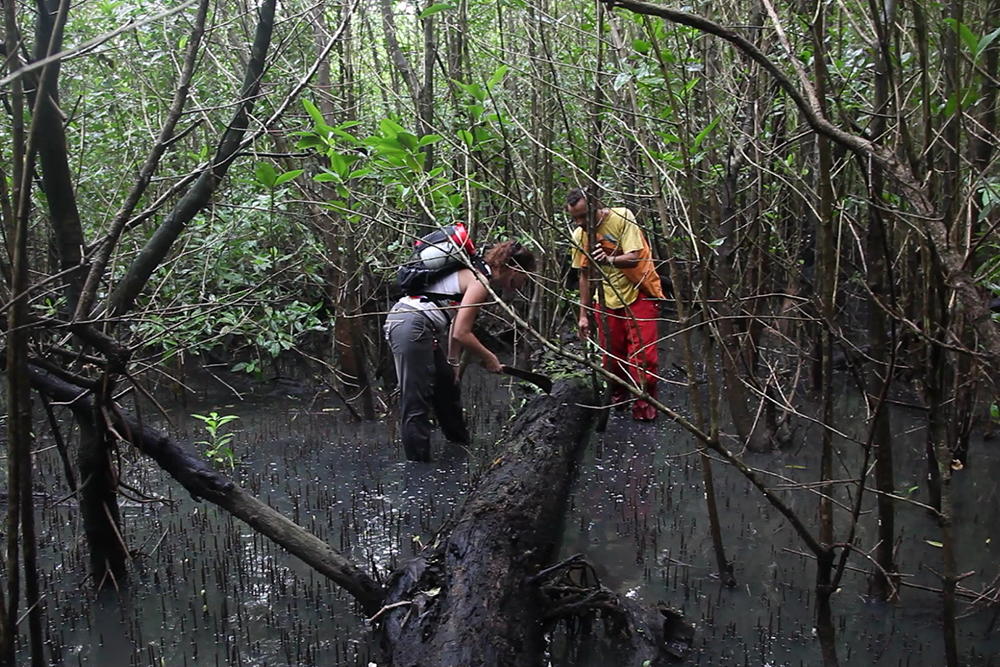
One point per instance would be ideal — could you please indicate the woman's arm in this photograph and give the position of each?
(461, 329)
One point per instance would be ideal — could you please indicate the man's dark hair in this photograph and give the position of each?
(575, 195)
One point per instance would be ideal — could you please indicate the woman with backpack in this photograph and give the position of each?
(430, 327)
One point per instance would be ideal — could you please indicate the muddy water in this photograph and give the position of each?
(639, 511)
(208, 591)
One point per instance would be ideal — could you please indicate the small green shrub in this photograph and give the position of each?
(218, 446)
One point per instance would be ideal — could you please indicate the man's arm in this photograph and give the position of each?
(584, 321)
(626, 260)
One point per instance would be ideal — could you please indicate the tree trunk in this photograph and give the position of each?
(15, 226)
(99, 503)
(486, 611)
(472, 597)
(343, 286)
(20, 542)
(732, 338)
(826, 287)
(880, 371)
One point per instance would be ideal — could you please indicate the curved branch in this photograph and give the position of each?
(807, 103)
(121, 218)
(152, 255)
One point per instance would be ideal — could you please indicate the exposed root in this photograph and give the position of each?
(572, 593)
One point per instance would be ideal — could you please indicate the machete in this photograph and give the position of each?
(540, 381)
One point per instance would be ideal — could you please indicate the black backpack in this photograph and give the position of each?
(435, 256)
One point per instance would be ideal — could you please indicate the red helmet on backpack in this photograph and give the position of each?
(456, 233)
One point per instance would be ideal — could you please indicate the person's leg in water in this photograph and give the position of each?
(411, 337)
(447, 400)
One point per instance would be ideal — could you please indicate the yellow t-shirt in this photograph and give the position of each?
(620, 229)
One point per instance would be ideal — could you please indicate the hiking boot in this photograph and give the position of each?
(620, 399)
(417, 452)
(643, 412)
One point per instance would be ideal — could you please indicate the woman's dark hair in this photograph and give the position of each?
(512, 254)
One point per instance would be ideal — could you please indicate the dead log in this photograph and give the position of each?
(475, 595)
(203, 482)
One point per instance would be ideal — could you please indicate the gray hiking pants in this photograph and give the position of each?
(426, 381)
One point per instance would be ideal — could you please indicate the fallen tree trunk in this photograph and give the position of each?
(203, 482)
(482, 593)
(479, 594)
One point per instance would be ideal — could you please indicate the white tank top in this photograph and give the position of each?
(448, 285)
(440, 311)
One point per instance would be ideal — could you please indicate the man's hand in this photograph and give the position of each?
(584, 328)
(600, 256)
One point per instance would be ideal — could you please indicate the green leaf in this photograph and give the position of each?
(287, 176)
(483, 135)
(338, 164)
(934, 544)
(497, 76)
(704, 133)
(985, 42)
(346, 136)
(968, 98)
(428, 139)
(408, 141)
(314, 112)
(466, 137)
(965, 34)
(472, 90)
(621, 80)
(308, 140)
(641, 46)
(475, 110)
(434, 9)
(384, 145)
(390, 128)
(265, 174)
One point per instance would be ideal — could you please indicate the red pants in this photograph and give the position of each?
(630, 344)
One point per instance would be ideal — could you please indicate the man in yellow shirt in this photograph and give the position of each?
(630, 283)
